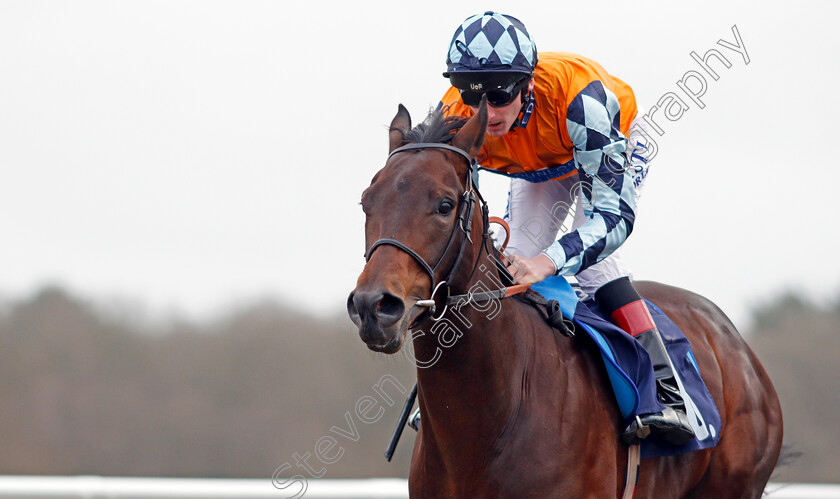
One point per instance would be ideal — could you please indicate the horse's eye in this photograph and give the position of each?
(445, 207)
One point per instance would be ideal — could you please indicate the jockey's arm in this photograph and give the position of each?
(606, 185)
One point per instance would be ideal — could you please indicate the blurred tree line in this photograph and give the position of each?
(83, 392)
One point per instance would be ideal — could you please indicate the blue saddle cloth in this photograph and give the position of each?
(631, 372)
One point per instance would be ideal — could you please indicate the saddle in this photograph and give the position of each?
(624, 359)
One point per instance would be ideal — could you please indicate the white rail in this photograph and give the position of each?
(97, 487)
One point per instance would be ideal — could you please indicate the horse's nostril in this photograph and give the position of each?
(390, 309)
(383, 308)
(352, 310)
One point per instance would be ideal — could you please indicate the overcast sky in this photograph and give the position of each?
(190, 156)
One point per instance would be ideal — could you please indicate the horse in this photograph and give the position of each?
(509, 407)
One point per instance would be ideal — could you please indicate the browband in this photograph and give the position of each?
(425, 145)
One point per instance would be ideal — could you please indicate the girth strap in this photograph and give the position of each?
(554, 315)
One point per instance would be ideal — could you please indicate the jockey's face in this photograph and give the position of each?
(501, 118)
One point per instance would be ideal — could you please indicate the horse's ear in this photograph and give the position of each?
(399, 125)
(471, 136)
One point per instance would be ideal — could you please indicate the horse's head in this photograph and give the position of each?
(419, 208)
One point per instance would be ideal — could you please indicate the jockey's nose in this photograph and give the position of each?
(374, 308)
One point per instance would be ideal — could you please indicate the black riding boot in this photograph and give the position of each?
(672, 423)
(629, 312)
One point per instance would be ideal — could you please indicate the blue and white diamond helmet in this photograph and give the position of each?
(491, 43)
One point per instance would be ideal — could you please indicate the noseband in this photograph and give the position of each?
(466, 208)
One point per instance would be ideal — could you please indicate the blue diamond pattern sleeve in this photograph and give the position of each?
(609, 200)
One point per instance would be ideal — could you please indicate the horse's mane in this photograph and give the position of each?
(437, 128)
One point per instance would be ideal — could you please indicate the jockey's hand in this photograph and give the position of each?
(529, 270)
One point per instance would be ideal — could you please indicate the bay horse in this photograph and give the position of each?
(509, 407)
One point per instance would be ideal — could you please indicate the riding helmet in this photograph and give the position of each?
(492, 48)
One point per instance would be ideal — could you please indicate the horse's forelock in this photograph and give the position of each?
(437, 128)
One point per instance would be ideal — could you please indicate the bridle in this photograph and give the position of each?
(466, 209)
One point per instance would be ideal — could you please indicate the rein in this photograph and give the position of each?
(465, 213)
(466, 208)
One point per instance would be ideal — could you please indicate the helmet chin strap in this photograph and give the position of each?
(524, 98)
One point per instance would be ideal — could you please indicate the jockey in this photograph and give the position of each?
(559, 128)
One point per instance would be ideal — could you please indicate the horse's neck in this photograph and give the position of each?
(471, 368)
(474, 339)
(470, 341)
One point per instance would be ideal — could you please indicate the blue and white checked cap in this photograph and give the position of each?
(491, 42)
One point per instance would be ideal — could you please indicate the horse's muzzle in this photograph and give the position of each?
(377, 314)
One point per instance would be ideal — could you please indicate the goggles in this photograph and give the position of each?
(497, 97)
